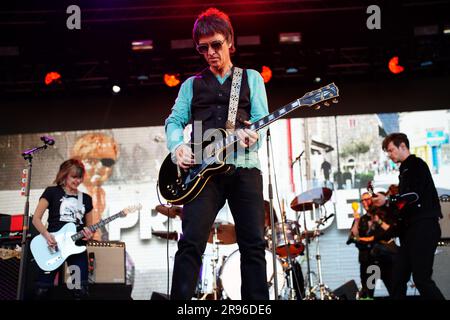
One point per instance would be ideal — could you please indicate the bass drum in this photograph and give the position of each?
(230, 276)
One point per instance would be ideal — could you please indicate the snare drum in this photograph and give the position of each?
(230, 276)
(288, 239)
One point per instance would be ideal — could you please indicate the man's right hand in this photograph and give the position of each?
(378, 199)
(185, 157)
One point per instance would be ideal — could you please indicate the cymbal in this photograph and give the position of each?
(170, 212)
(172, 235)
(314, 197)
(225, 233)
(311, 234)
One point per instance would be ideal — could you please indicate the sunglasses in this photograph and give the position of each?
(216, 45)
(106, 162)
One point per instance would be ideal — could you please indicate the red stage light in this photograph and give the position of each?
(52, 77)
(266, 73)
(172, 80)
(394, 67)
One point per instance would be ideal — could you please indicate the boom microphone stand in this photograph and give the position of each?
(28, 155)
(272, 220)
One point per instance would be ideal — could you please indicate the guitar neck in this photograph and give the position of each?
(261, 123)
(94, 227)
(309, 99)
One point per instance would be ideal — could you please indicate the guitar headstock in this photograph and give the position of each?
(321, 96)
(131, 209)
(6, 254)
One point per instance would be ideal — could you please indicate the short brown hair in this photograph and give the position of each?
(213, 21)
(66, 168)
(397, 139)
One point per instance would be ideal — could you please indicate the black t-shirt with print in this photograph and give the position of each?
(63, 208)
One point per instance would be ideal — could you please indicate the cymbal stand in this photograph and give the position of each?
(292, 294)
(309, 295)
(272, 219)
(215, 260)
(324, 291)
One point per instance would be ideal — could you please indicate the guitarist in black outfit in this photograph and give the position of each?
(419, 230)
(64, 207)
(204, 98)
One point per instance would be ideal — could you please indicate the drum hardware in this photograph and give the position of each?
(230, 275)
(312, 200)
(170, 211)
(287, 245)
(224, 233)
(221, 233)
(324, 292)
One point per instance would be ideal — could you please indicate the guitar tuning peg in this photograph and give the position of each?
(335, 100)
(326, 104)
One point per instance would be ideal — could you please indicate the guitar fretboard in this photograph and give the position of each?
(101, 223)
(261, 123)
(311, 98)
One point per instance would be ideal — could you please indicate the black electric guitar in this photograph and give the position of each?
(179, 187)
(398, 200)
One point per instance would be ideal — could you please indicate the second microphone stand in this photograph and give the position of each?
(272, 220)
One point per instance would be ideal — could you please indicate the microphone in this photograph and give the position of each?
(48, 140)
(298, 158)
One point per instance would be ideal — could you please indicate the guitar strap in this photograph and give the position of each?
(80, 201)
(234, 99)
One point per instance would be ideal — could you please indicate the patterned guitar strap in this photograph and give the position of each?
(234, 99)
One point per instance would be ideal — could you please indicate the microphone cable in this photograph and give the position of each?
(167, 238)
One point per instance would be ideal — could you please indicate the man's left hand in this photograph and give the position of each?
(247, 137)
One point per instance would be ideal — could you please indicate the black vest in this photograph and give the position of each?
(210, 101)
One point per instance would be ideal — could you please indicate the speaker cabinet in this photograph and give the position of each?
(347, 291)
(159, 296)
(441, 274)
(109, 261)
(106, 261)
(9, 275)
(445, 221)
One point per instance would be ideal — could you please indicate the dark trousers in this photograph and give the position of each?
(384, 262)
(243, 190)
(46, 280)
(418, 244)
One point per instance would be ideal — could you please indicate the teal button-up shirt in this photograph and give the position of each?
(181, 114)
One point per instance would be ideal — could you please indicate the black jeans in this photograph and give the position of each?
(243, 190)
(418, 244)
(369, 257)
(46, 279)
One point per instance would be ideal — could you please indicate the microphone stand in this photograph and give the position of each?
(300, 181)
(272, 220)
(27, 155)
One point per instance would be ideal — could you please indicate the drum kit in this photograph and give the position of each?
(220, 276)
